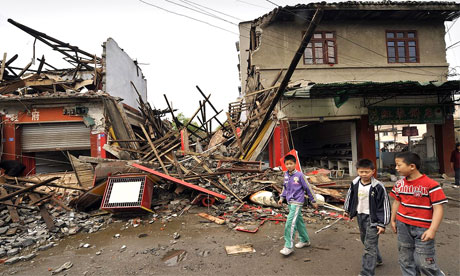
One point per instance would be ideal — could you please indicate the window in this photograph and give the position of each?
(402, 46)
(322, 49)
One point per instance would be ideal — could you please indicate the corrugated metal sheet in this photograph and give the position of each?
(55, 136)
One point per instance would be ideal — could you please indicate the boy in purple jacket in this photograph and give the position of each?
(294, 188)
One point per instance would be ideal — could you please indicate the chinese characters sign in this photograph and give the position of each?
(388, 115)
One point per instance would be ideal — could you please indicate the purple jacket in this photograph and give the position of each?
(294, 188)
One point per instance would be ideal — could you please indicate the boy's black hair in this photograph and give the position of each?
(290, 157)
(410, 158)
(457, 144)
(365, 164)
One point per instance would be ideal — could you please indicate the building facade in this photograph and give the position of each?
(367, 64)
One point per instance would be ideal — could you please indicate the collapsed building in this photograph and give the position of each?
(48, 111)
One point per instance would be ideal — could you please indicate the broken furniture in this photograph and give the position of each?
(128, 193)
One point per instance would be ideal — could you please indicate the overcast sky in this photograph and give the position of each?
(175, 53)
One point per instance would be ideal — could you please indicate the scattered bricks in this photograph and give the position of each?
(74, 230)
(45, 247)
(28, 257)
(12, 252)
(12, 260)
(27, 242)
(11, 232)
(4, 229)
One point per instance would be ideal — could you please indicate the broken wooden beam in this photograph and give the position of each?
(43, 212)
(13, 194)
(178, 181)
(212, 218)
(11, 207)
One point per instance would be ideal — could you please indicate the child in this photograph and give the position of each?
(368, 200)
(416, 215)
(294, 188)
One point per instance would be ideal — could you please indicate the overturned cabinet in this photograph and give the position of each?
(128, 193)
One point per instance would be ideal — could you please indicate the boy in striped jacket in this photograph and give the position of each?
(416, 216)
(368, 200)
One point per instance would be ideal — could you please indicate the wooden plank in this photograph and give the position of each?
(40, 200)
(220, 181)
(43, 212)
(2, 67)
(238, 249)
(83, 171)
(13, 194)
(13, 212)
(170, 178)
(237, 137)
(179, 169)
(211, 218)
(120, 128)
(154, 149)
(60, 203)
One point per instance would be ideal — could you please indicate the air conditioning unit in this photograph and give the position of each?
(128, 193)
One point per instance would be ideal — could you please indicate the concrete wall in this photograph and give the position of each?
(16, 113)
(244, 53)
(280, 40)
(299, 109)
(120, 70)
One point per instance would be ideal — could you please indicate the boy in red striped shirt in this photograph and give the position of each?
(416, 215)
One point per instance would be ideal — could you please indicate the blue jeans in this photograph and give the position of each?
(370, 239)
(416, 256)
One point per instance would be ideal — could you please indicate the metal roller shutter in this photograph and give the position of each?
(55, 136)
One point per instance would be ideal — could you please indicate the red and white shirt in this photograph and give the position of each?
(417, 198)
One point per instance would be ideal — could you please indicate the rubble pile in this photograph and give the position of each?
(27, 229)
(173, 163)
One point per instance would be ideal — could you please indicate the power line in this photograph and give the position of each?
(450, 46)
(205, 22)
(219, 12)
(450, 27)
(267, 36)
(189, 17)
(251, 4)
(227, 21)
(283, 34)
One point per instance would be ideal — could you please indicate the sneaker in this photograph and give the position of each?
(286, 251)
(302, 244)
(379, 263)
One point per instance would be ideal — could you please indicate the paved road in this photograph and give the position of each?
(336, 251)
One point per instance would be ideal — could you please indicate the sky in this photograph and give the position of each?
(174, 52)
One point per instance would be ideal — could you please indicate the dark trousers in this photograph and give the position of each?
(457, 176)
(370, 239)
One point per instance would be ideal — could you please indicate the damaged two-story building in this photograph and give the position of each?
(48, 112)
(367, 64)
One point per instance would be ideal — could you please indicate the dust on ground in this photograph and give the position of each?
(335, 251)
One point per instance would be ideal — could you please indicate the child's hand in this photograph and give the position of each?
(280, 202)
(428, 235)
(393, 226)
(381, 230)
(315, 205)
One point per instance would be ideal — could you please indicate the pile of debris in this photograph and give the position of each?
(35, 214)
(157, 167)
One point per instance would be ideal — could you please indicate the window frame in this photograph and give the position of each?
(325, 48)
(404, 39)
